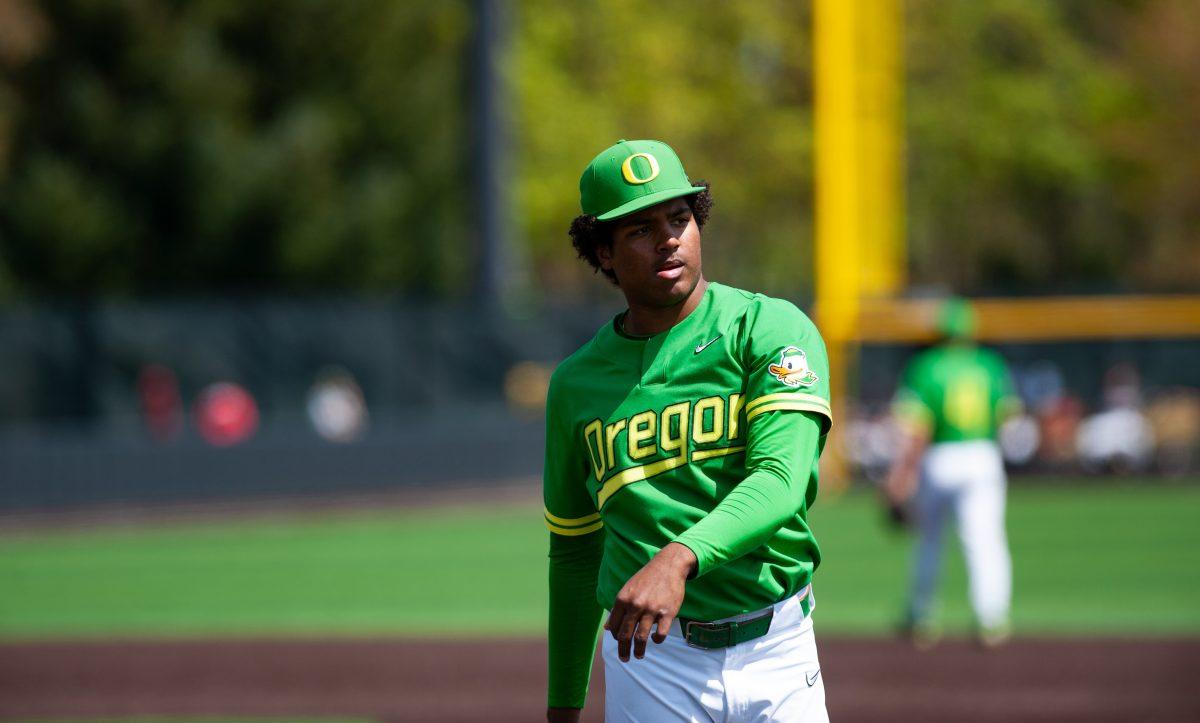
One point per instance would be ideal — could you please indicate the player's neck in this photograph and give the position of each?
(649, 320)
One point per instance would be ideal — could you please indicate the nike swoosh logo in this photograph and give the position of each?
(706, 344)
(812, 679)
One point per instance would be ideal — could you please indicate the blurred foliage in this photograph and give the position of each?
(1048, 143)
(1156, 157)
(1048, 147)
(726, 84)
(150, 146)
(164, 146)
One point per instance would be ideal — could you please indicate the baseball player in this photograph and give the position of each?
(681, 460)
(950, 403)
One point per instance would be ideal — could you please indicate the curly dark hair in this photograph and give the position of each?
(587, 232)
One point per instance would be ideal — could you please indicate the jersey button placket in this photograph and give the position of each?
(654, 363)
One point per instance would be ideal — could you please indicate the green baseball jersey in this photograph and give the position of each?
(686, 436)
(957, 391)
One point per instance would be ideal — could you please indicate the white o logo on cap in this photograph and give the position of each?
(630, 176)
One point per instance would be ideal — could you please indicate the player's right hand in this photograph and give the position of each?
(651, 598)
(898, 516)
(563, 715)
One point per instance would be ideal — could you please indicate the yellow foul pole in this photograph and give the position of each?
(881, 160)
(858, 202)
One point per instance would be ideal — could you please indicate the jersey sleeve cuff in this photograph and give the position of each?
(791, 402)
(703, 559)
(573, 526)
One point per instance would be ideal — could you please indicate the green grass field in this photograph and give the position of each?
(1099, 560)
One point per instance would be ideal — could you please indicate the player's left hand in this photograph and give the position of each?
(652, 596)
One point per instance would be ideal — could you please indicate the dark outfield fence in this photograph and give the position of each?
(73, 429)
(450, 394)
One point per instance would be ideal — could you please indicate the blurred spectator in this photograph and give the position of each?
(1020, 439)
(1120, 437)
(160, 402)
(525, 386)
(336, 406)
(1175, 419)
(870, 441)
(1122, 387)
(226, 414)
(1056, 415)
(1117, 440)
(1041, 385)
(1059, 421)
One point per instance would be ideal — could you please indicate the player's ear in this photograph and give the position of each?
(604, 255)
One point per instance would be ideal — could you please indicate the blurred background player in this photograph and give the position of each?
(950, 403)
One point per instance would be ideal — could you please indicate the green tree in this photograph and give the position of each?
(156, 146)
(167, 146)
(726, 84)
(1048, 143)
(1154, 159)
(1008, 188)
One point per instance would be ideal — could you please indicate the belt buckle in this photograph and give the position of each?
(712, 627)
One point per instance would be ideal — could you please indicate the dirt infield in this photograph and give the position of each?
(404, 680)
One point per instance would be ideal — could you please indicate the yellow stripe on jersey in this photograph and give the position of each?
(574, 531)
(571, 521)
(790, 406)
(637, 474)
(813, 400)
(645, 471)
(719, 452)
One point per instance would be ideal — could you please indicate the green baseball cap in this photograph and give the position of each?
(630, 176)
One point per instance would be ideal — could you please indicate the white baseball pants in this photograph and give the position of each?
(965, 479)
(776, 677)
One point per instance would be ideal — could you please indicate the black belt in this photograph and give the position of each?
(712, 636)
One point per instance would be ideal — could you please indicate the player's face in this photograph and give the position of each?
(655, 254)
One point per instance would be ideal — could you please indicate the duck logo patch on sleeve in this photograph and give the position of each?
(792, 368)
